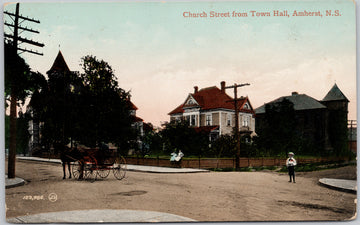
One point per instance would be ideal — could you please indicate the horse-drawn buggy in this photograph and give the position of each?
(91, 164)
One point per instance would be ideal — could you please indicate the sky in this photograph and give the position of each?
(159, 55)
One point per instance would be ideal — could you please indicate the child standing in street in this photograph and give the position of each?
(290, 164)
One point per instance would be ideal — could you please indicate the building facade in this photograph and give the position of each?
(316, 121)
(211, 109)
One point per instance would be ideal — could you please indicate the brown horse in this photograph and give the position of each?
(68, 155)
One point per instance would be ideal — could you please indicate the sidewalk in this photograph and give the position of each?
(9, 183)
(340, 184)
(150, 169)
(100, 216)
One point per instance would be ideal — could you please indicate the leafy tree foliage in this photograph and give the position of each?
(19, 78)
(22, 133)
(179, 136)
(105, 108)
(151, 141)
(88, 108)
(224, 146)
(54, 105)
(21, 82)
(278, 136)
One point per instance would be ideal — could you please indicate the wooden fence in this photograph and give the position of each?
(227, 163)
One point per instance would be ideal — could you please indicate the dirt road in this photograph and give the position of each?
(214, 196)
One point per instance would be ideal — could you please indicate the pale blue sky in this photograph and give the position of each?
(159, 55)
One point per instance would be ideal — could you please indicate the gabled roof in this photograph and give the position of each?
(213, 98)
(335, 94)
(59, 64)
(300, 101)
(136, 119)
(131, 105)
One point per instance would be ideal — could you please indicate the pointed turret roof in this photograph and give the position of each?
(59, 64)
(335, 94)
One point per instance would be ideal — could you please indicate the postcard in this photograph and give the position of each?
(180, 111)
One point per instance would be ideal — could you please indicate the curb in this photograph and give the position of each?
(100, 216)
(55, 161)
(130, 167)
(15, 182)
(329, 183)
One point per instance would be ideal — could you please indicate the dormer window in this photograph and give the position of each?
(190, 102)
(246, 106)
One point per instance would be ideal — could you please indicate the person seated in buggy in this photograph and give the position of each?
(176, 158)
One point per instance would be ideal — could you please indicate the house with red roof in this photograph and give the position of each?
(137, 122)
(211, 109)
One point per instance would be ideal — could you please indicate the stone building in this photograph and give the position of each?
(321, 123)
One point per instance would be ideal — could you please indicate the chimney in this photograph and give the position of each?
(196, 89)
(222, 86)
(294, 93)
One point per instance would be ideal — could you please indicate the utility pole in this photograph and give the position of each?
(237, 130)
(13, 96)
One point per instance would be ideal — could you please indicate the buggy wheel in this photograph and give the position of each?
(119, 168)
(90, 174)
(90, 171)
(76, 169)
(104, 172)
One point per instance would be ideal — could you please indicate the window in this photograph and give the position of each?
(228, 119)
(190, 102)
(193, 120)
(245, 121)
(208, 120)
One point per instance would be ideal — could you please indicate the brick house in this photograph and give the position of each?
(212, 110)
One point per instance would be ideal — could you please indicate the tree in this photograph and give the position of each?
(20, 82)
(179, 136)
(278, 135)
(225, 145)
(56, 104)
(88, 108)
(105, 111)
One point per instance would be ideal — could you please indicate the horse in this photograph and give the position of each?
(68, 155)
